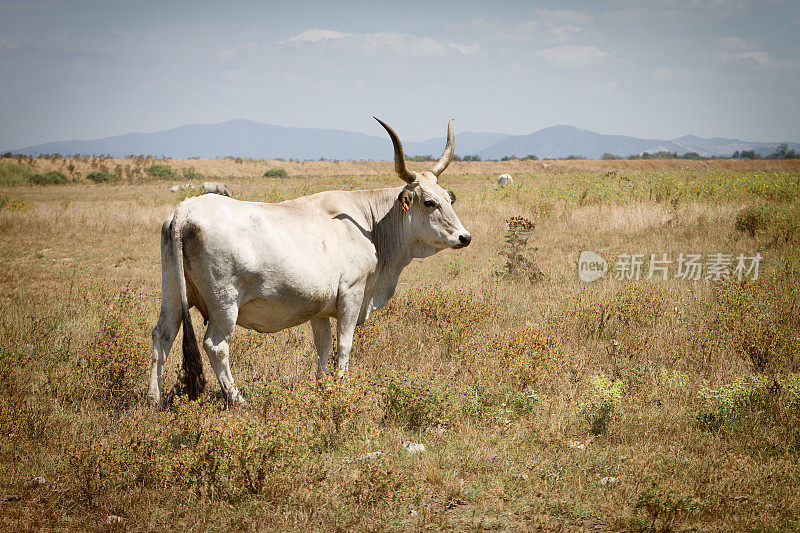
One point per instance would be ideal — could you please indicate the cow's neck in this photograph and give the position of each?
(393, 245)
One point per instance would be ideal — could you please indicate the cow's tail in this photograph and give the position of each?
(195, 381)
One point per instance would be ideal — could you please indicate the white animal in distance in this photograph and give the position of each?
(504, 180)
(267, 267)
(177, 188)
(217, 188)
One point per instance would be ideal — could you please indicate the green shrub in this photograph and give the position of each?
(598, 410)
(3, 200)
(520, 402)
(161, 171)
(413, 400)
(488, 403)
(187, 192)
(14, 173)
(101, 176)
(665, 507)
(276, 172)
(49, 178)
(750, 394)
(192, 175)
(750, 220)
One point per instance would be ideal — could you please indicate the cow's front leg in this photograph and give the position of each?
(322, 341)
(346, 320)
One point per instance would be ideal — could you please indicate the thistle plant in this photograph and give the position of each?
(518, 263)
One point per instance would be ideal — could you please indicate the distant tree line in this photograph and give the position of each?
(781, 152)
(429, 157)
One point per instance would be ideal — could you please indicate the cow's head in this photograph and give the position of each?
(434, 224)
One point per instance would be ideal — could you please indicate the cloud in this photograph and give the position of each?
(228, 53)
(607, 88)
(562, 16)
(400, 44)
(315, 35)
(9, 45)
(572, 56)
(660, 10)
(381, 43)
(550, 26)
(760, 58)
(738, 50)
(672, 73)
(464, 48)
(735, 43)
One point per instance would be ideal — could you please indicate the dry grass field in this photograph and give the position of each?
(543, 402)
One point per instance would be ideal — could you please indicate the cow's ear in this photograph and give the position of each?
(406, 198)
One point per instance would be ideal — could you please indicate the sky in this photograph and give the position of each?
(647, 68)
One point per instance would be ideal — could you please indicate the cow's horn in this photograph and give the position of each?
(399, 158)
(449, 150)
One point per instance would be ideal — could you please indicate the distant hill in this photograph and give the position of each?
(563, 141)
(246, 138)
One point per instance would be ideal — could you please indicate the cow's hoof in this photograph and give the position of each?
(154, 399)
(238, 400)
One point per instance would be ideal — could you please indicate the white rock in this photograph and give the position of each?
(577, 445)
(609, 481)
(114, 519)
(370, 455)
(414, 448)
(35, 482)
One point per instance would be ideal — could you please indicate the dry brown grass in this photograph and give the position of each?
(133, 169)
(496, 376)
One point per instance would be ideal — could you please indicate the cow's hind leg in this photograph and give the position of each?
(323, 339)
(169, 321)
(215, 343)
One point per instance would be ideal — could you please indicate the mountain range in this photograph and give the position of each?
(249, 139)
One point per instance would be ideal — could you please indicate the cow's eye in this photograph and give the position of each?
(429, 203)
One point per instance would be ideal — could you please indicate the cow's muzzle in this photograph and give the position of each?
(463, 240)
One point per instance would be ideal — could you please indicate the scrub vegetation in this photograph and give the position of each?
(543, 402)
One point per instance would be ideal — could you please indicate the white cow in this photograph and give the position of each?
(504, 179)
(218, 188)
(266, 267)
(177, 188)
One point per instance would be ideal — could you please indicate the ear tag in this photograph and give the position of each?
(406, 203)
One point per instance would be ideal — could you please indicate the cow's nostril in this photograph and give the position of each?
(465, 238)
